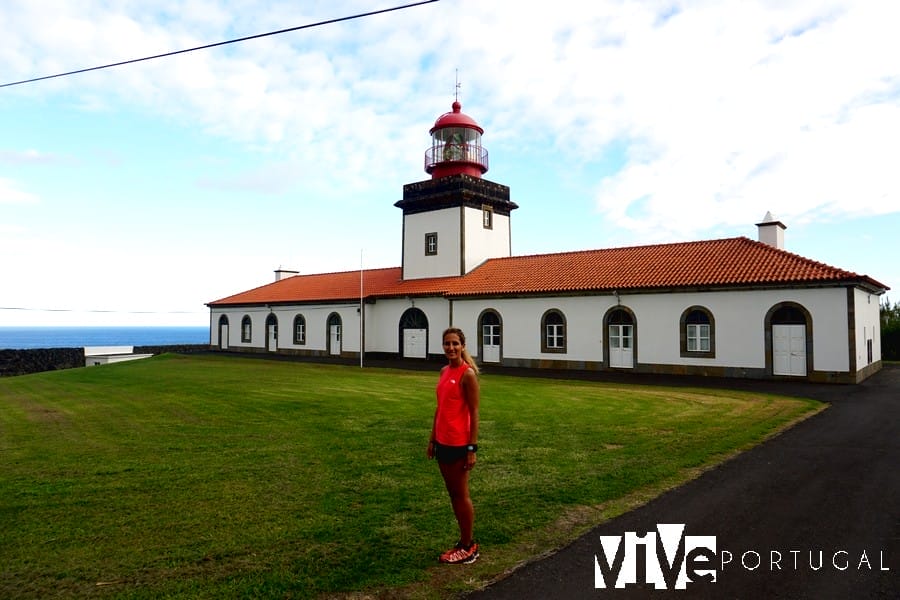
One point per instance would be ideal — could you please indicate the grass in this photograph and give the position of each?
(212, 476)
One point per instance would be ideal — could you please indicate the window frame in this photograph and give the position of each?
(431, 249)
(559, 335)
(246, 329)
(685, 333)
(299, 338)
(487, 217)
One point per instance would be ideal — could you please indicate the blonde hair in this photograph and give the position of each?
(465, 353)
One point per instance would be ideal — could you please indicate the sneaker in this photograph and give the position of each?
(460, 555)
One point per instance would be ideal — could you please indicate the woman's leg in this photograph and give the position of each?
(456, 478)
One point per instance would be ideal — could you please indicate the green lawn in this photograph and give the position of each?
(213, 476)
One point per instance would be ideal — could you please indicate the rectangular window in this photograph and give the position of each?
(300, 335)
(555, 336)
(487, 217)
(697, 338)
(491, 335)
(431, 244)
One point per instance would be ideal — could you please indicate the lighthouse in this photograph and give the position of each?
(456, 146)
(456, 220)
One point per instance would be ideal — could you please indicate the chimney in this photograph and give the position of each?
(771, 231)
(284, 273)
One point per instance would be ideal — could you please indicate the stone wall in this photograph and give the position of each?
(177, 349)
(36, 360)
(23, 362)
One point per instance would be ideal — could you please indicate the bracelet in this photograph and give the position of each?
(472, 448)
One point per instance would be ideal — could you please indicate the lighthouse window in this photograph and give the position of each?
(431, 244)
(487, 217)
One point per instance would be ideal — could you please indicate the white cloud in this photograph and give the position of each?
(32, 157)
(11, 194)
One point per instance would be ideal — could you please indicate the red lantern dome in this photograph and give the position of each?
(456, 146)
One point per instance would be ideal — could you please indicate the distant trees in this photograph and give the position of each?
(890, 330)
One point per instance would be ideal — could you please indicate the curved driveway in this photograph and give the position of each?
(829, 486)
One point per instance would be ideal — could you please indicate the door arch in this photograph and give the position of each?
(789, 340)
(272, 333)
(223, 332)
(620, 346)
(334, 335)
(413, 332)
(490, 336)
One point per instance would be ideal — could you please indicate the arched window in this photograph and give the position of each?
(697, 333)
(246, 329)
(300, 330)
(413, 334)
(490, 334)
(553, 332)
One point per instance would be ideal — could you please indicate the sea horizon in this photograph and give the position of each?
(24, 337)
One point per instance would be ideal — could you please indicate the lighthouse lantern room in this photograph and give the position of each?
(456, 146)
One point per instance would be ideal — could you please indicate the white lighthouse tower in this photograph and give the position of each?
(456, 220)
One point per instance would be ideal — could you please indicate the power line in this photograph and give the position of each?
(232, 41)
(128, 312)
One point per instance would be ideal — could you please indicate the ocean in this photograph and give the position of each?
(20, 338)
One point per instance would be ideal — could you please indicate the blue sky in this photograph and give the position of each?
(144, 191)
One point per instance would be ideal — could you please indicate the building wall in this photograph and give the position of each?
(481, 243)
(739, 328)
(867, 327)
(316, 327)
(383, 322)
(739, 325)
(446, 223)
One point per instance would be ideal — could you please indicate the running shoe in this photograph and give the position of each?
(460, 555)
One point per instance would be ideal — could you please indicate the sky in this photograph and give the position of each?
(136, 194)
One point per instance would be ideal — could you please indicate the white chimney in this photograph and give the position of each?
(771, 231)
(284, 273)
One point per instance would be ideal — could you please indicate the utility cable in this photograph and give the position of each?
(233, 41)
(130, 312)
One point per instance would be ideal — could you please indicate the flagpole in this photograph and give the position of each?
(361, 314)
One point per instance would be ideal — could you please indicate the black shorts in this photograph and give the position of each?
(449, 454)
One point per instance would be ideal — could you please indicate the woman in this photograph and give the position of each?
(454, 439)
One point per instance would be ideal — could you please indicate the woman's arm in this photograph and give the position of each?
(472, 396)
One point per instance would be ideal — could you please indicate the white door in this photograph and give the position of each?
(223, 336)
(414, 343)
(621, 347)
(335, 345)
(490, 346)
(273, 338)
(789, 350)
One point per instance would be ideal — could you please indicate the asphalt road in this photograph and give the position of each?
(812, 513)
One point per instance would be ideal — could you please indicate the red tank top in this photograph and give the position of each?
(453, 422)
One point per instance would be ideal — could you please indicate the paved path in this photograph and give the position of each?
(830, 484)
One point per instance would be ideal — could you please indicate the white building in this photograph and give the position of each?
(730, 307)
(107, 355)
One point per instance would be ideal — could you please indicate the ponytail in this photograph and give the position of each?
(467, 358)
(470, 361)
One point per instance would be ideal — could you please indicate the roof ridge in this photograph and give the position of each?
(804, 259)
(611, 248)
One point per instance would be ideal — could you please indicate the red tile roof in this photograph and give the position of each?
(731, 262)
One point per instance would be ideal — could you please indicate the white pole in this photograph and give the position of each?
(361, 308)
